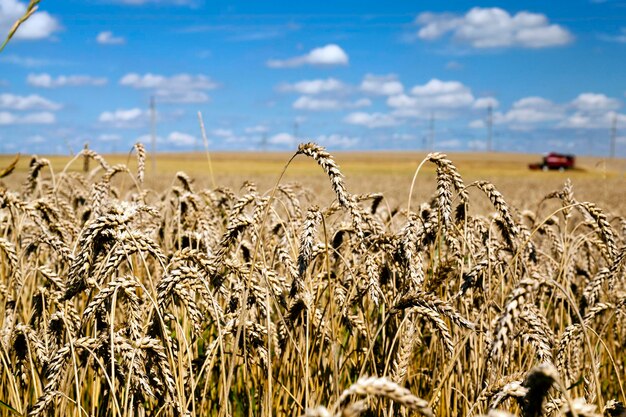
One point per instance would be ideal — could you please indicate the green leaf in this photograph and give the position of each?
(8, 407)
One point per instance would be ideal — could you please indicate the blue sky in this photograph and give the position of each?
(350, 74)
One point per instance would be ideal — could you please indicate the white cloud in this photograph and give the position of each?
(229, 136)
(222, 133)
(337, 141)
(27, 62)
(109, 137)
(47, 81)
(124, 118)
(181, 97)
(31, 102)
(256, 129)
(384, 85)
(321, 104)
(181, 139)
(592, 111)
(593, 120)
(7, 118)
(161, 2)
(107, 38)
(38, 26)
(36, 139)
(477, 124)
(486, 102)
(494, 28)
(179, 88)
(595, 102)
(282, 139)
(529, 111)
(436, 87)
(477, 145)
(371, 120)
(454, 65)
(317, 86)
(178, 81)
(449, 144)
(434, 95)
(44, 118)
(620, 38)
(328, 55)
(403, 136)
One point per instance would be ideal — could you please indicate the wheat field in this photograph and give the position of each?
(126, 296)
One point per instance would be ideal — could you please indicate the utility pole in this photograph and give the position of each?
(86, 158)
(431, 129)
(153, 133)
(613, 136)
(489, 128)
(295, 130)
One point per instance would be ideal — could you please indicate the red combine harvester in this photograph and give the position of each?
(555, 160)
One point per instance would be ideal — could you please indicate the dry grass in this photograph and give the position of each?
(492, 292)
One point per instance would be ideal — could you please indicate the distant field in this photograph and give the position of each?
(597, 179)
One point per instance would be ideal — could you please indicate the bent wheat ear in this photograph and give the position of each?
(382, 387)
(326, 161)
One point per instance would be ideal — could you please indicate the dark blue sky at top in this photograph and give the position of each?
(552, 74)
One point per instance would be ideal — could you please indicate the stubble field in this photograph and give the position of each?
(190, 288)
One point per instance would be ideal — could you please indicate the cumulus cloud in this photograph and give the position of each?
(222, 133)
(109, 137)
(486, 102)
(434, 95)
(282, 139)
(30, 102)
(181, 139)
(256, 129)
(477, 124)
(620, 37)
(318, 86)
(40, 25)
(47, 81)
(124, 118)
(528, 112)
(493, 28)
(160, 2)
(108, 38)
(383, 85)
(321, 104)
(328, 55)
(7, 118)
(595, 102)
(28, 62)
(337, 141)
(371, 120)
(179, 88)
(592, 111)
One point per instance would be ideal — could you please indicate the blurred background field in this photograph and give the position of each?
(595, 179)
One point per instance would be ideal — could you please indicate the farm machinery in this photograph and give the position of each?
(555, 161)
